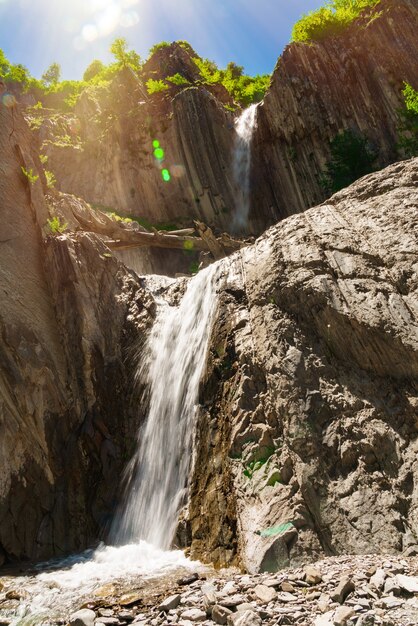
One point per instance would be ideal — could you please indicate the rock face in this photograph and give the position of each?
(66, 418)
(353, 81)
(111, 163)
(307, 443)
(103, 152)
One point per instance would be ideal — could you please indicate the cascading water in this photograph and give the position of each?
(173, 365)
(174, 359)
(244, 127)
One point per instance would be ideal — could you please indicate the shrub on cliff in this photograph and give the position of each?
(244, 89)
(351, 158)
(329, 20)
(408, 123)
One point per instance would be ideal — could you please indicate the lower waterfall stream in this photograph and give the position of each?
(156, 479)
(173, 365)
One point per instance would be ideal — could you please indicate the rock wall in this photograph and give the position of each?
(108, 158)
(70, 314)
(307, 441)
(352, 81)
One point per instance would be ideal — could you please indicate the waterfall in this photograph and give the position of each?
(244, 127)
(174, 359)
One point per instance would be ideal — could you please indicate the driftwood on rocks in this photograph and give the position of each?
(121, 235)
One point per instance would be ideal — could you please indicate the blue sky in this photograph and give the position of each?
(252, 33)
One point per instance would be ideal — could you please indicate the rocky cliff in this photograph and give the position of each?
(103, 151)
(69, 316)
(307, 432)
(352, 81)
(307, 441)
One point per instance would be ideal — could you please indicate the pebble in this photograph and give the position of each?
(171, 602)
(84, 617)
(244, 618)
(409, 583)
(194, 615)
(264, 594)
(220, 614)
(345, 586)
(378, 579)
(312, 575)
(342, 615)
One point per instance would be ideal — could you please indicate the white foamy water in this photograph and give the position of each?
(244, 127)
(61, 587)
(172, 368)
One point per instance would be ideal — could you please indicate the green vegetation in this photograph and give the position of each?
(178, 79)
(123, 56)
(156, 86)
(119, 218)
(50, 179)
(52, 75)
(93, 70)
(408, 123)
(55, 225)
(245, 90)
(158, 46)
(31, 177)
(330, 19)
(351, 158)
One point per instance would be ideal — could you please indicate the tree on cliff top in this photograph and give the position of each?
(329, 20)
(123, 56)
(52, 75)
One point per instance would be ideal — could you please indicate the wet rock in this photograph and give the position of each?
(220, 614)
(85, 617)
(188, 580)
(169, 603)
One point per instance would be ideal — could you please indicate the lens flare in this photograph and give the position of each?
(166, 175)
(159, 154)
(9, 100)
(155, 143)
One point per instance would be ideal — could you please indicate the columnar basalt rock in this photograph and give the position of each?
(68, 313)
(351, 81)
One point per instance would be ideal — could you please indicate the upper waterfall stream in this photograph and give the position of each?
(172, 363)
(244, 127)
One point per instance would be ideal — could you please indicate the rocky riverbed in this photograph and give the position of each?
(357, 590)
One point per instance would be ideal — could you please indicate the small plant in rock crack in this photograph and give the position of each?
(50, 179)
(31, 177)
(56, 226)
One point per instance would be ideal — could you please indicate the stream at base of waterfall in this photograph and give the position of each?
(155, 483)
